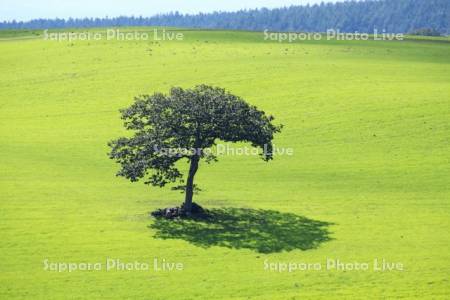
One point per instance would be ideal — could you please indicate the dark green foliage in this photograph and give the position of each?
(189, 119)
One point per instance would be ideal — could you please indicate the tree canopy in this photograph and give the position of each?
(188, 119)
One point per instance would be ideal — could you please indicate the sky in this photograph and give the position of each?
(24, 10)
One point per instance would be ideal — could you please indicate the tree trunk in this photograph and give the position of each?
(190, 184)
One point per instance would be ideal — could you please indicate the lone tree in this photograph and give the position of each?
(182, 125)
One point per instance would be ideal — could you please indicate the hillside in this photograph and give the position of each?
(368, 122)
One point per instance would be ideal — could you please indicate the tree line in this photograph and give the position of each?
(399, 16)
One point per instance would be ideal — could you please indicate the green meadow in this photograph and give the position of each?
(369, 178)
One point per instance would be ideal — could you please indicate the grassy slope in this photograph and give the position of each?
(368, 122)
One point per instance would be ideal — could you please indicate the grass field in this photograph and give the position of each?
(368, 121)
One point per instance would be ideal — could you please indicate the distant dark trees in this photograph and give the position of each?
(425, 32)
(399, 16)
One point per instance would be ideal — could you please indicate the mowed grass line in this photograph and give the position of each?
(368, 122)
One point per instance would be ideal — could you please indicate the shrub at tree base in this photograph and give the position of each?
(180, 212)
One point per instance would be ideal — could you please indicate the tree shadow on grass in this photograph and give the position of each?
(263, 231)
